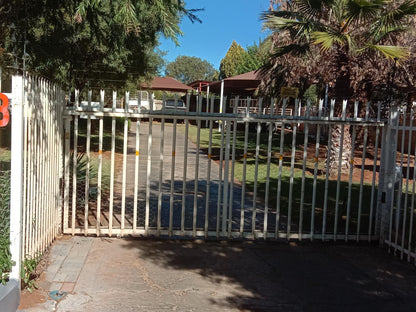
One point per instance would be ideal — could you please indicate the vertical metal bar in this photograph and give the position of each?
(354, 131)
(305, 155)
(331, 116)
(136, 175)
(279, 178)
(124, 177)
(113, 149)
(39, 239)
(227, 130)
(88, 167)
(269, 157)
(16, 175)
(149, 170)
(360, 202)
(198, 139)
(75, 166)
(185, 167)
(400, 191)
(254, 213)
(161, 159)
(341, 148)
(221, 129)
(100, 163)
(26, 102)
(412, 211)
(67, 171)
(243, 186)
(30, 160)
(231, 205)
(409, 148)
(390, 163)
(172, 173)
(315, 171)
(370, 226)
(207, 202)
(292, 166)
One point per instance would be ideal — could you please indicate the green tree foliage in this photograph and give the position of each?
(351, 45)
(357, 47)
(230, 63)
(254, 57)
(189, 68)
(89, 42)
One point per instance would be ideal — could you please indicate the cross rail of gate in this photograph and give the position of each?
(225, 117)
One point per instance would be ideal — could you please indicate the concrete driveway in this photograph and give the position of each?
(109, 274)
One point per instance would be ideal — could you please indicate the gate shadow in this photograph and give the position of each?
(271, 276)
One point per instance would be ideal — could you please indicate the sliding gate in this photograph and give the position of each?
(243, 173)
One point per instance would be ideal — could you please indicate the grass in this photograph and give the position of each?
(308, 185)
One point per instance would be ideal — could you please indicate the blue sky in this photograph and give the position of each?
(222, 22)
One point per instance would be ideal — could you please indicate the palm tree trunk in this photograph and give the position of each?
(340, 153)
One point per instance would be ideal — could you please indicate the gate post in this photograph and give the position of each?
(387, 173)
(16, 176)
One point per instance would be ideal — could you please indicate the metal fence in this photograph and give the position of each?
(261, 175)
(398, 205)
(107, 168)
(36, 166)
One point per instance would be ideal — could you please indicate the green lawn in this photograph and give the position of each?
(297, 180)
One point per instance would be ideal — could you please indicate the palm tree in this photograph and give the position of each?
(341, 43)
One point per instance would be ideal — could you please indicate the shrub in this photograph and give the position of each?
(5, 256)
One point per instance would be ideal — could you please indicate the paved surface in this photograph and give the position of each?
(103, 274)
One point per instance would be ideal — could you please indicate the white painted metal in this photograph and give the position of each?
(373, 181)
(161, 159)
(16, 179)
(331, 116)
(315, 170)
(149, 171)
(279, 177)
(364, 157)
(196, 180)
(37, 164)
(112, 169)
(100, 164)
(354, 133)
(254, 209)
(183, 217)
(292, 167)
(409, 148)
(243, 187)
(209, 162)
(399, 188)
(231, 203)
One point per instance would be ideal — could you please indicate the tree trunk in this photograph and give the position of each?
(340, 146)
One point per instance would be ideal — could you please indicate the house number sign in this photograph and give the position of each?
(4, 112)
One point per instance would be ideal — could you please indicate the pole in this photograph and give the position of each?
(16, 179)
(221, 103)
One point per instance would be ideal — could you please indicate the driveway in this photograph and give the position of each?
(109, 274)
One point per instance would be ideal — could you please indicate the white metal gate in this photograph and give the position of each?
(398, 184)
(170, 172)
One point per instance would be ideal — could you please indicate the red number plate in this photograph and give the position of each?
(4, 112)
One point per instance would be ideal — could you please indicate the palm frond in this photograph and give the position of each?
(391, 52)
(393, 18)
(363, 9)
(293, 49)
(376, 38)
(312, 8)
(329, 38)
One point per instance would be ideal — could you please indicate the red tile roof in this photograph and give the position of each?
(166, 84)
